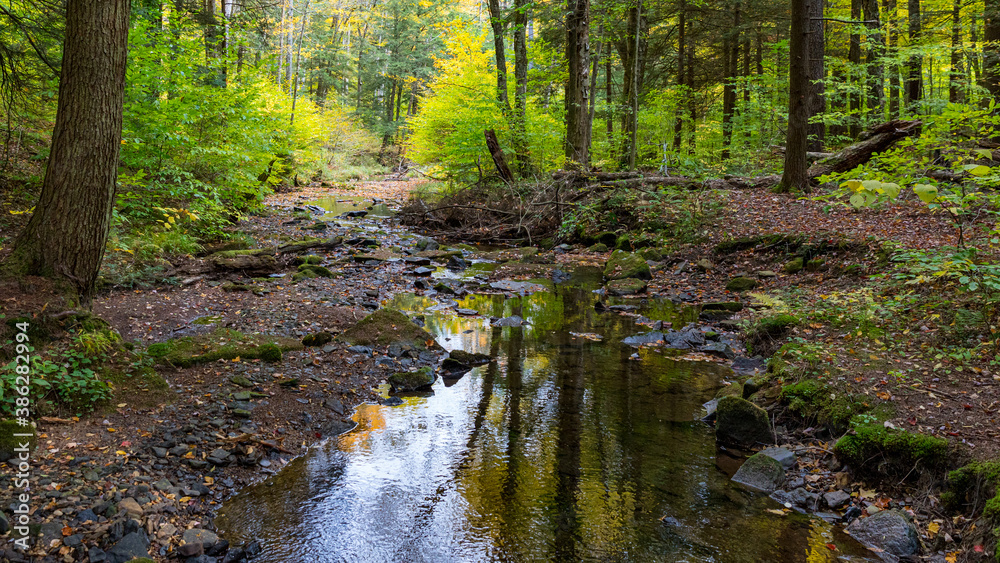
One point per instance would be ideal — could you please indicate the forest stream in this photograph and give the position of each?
(568, 446)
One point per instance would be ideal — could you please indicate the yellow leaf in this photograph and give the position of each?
(122, 405)
(121, 452)
(112, 430)
(933, 528)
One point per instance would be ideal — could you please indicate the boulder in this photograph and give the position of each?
(784, 456)
(794, 266)
(460, 359)
(317, 339)
(389, 326)
(888, 530)
(622, 265)
(412, 380)
(741, 423)
(740, 284)
(512, 320)
(761, 473)
(197, 535)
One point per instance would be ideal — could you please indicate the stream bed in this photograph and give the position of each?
(570, 446)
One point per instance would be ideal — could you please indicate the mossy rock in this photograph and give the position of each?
(389, 326)
(825, 404)
(599, 247)
(9, 443)
(315, 271)
(731, 306)
(240, 252)
(815, 265)
(733, 390)
(460, 359)
(741, 423)
(466, 247)
(874, 450)
(794, 265)
(317, 339)
(607, 238)
(629, 286)
(761, 473)
(317, 226)
(423, 378)
(622, 265)
(653, 254)
(741, 284)
(968, 486)
(308, 259)
(222, 344)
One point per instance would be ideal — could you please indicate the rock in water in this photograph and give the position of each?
(512, 320)
(412, 380)
(761, 473)
(741, 423)
(889, 530)
(623, 265)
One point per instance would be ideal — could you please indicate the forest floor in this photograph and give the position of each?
(179, 453)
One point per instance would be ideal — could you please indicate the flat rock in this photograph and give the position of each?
(836, 499)
(512, 320)
(784, 456)
(197, 535)
(521, 287)
(130, 505)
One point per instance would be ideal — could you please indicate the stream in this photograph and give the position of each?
(570, 446)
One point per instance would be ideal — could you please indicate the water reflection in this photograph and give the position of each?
(563, 449)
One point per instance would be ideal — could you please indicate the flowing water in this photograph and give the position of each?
(566, 448)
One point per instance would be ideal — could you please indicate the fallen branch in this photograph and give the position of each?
(875, 141)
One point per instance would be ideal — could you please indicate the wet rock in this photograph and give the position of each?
(163, 484)
(512, 321)
(392, 402)
(745, 366)
(205, 538)
(457, 263)
(628, 286)
(423, 271)
(360, 350)
(458, 359)
(741, 423)
(355, 214)
(190, 549)
(836, 499)
(426, 244)
(134, 545)
(622, 265)
(720, 349)
(412, 380)
(519, 287)
(219, 456)
(335, 405)
(467, 312)
(645, 339)
(760, 473)
(417, 261)
(784, 456)
(889, 530)
(84, 516)
(559, 276)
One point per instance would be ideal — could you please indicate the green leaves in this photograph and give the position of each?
(926, 192)
(869, 192)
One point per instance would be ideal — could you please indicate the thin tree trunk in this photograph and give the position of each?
(521, 149)
(856, 73)
(894, 89)
(973, 53)
(66, 236)
(817, 75)
(730, 50)
(991, 48)
(593, 89)
(873, 63)
(499, 25)
(679, 115)
(298, 58)
(956, 90)
(795, 176)
(914, 77)
(281, 43)
(290, 42)
(637, 66)
(609, 116)
(692, 101)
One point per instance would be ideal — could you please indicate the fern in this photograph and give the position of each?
(770, 302)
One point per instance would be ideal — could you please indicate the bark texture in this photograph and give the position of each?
(66, 236)
(872, 143)
(794, 176)
(577, 96)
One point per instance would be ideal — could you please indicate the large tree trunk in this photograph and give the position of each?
(632, 51)
(817, 74)
(794, 176)
(679, 114)
(578, 57)
(66, 236)
(499, 25)
(915, 64)
(730, 54)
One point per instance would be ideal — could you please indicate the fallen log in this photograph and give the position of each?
(872, 142)
(498, 159)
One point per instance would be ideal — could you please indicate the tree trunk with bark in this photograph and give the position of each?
(893, 70)
(817, 74)
(794, 176)
(854, 57)
(956, 90)
(66, 236)
(576, 97)
(730, 54)
(873, 62)
(521, 149)
(496, 152)
(914, 76)
(874, 141)
(499, 25)
(679, 115)
(991, 48)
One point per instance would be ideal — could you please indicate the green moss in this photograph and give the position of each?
(815, 265)
(734, 390)
(794, 265)
(875, 450)
(652, 253)
(308, 259)
(599, 247)
(629, 286)
(412, 380)
(741, 422)
(387, 326)
(315, 271)
(221, 344)
(815, 400)
(9, 442)
(741, 284)
(317, 339)
(244, 252)
(622, 265)
(765, 335)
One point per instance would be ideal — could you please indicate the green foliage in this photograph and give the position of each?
(448, 132)
(63, 377)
